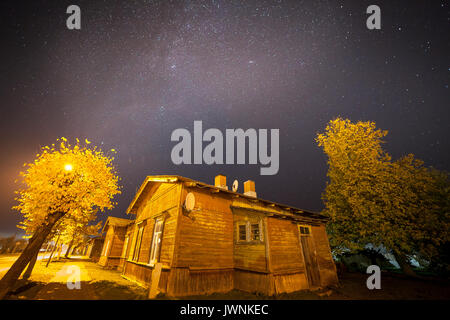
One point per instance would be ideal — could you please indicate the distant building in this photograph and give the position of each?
(93, 248)
(115, 229)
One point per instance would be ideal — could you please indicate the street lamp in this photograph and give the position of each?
(68, 167)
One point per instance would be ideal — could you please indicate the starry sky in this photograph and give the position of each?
(137, 70)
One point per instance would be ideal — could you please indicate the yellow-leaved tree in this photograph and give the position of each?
(65, 182)
(371, 199)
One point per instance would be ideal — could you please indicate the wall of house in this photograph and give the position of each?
(206, 257)
(163, 202)
(115, 235)
(249, 255)
(117, 242)
(286, 258)
(95, 249)
(127, 246)
(103, 260)
(327, 267)
(205, 237)
(203, 257)
(285, 250)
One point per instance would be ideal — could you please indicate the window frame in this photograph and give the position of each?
(249, 238)
(239, 225)
(155, 247)
(300, 226)
(252, 238)
(138, 243)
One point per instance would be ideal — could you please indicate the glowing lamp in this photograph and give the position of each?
(68, 167)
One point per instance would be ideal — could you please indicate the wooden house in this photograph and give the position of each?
(93, 248)
(115, 230)
(192, 238)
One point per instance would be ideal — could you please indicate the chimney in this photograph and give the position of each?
(220, 181)
(249, 188)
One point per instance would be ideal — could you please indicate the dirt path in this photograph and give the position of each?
(50, 283)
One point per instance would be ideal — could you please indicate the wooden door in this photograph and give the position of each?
(309, 254)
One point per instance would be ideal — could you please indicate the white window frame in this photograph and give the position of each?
(155, 249)
(138, 243)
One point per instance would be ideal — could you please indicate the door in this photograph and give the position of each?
(309, 254)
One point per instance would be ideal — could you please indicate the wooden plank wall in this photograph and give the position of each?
(118, 237)
(138, 273)
(204, 256)
(249, 255)
(286, 283)
(95, 249)
(327, 268)
(254, 282)
(164, 202)
(285, 250)
(103, 260)
(184, 282)
(205, 238)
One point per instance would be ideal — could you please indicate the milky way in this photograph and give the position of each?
(137, 70)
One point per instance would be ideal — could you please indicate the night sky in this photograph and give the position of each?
(137, 70)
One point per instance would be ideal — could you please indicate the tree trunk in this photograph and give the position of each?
(66, 255)
(10, 278)
(30, 267)
(404, 264)
(68, 249)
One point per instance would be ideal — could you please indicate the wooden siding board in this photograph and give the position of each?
(162, 202)
(206, 236)
(327, 268)
(285, 249)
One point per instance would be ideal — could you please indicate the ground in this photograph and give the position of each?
(51, 282)
(99, 283)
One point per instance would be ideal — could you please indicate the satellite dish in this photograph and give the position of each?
(235, 185)
(189, 203)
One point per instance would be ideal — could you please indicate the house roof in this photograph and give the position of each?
(271, 205)
(114, 221)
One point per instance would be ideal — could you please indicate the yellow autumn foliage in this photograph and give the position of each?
(75, 180)
(369, 198)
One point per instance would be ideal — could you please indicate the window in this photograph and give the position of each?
(249, 231)
(255, 232)
(242, 232)
(156, 241)
(137, 245)
(305, 230)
